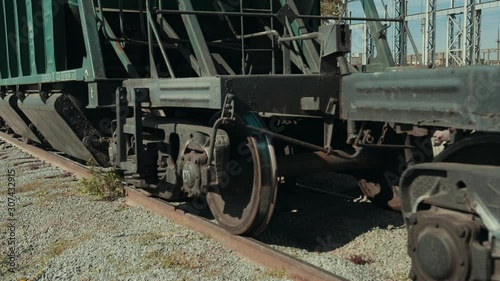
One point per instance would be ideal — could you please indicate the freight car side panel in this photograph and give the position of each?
(465, 98)
(48, 42)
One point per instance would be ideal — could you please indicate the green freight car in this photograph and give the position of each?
(228, 99)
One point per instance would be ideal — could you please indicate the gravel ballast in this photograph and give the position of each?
(354, 240)
(62, 234)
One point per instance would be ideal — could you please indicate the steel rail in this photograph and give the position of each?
(78, 170)
(248, 248)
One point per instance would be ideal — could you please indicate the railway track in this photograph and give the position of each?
(248, 248)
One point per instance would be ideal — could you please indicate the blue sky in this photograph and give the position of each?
(490, 23)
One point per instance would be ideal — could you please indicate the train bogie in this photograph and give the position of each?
(222, 100)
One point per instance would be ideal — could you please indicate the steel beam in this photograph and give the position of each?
(4, 44)
(93, 63)
(430, 33)
(451, 41)
(498, 47)
(454, 37)
(455, 29)
(170, 32)
(194, 31)
(48, 28)
(31, 37)
(368, 45)
(469, 32)
(120, 52)
(23, 57)
(455, 10)
(384, 56)
(10, 41)
(477, 37)
(400, 36)
(38, 37)
(310, 51)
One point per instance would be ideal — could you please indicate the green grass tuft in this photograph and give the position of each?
(103, 185)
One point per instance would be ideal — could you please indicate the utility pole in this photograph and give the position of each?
(498, 46)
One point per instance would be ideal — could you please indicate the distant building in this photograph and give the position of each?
(489, 57)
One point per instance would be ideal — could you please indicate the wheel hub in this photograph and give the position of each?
(435, 253)
(440, 246)
(192, 172)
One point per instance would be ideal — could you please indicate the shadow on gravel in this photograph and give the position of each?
(314, 221)
(321, 223)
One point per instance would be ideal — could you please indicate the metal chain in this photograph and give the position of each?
(384, 131)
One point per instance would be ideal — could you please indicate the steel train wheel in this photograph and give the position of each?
(436, 230)
(481, 150)
(244, 204)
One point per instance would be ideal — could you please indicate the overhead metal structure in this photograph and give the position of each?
(454, 34)
(400, 36)
(463, 31)
(430, 33)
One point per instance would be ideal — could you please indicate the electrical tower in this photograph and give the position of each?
(498, 46)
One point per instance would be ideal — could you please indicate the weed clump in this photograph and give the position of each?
(103, 185)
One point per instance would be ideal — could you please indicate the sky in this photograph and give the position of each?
(490, 23)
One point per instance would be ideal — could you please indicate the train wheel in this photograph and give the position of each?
(244, 203)
(481, 150)
(445, 244)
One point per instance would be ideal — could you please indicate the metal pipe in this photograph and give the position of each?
(295, 48)
(319, 190)
(316, 162)
(251, 35)
(242, 32)
(272, 15)
(338, 153)
(312, 35)
(211, 146)
(390, 146)
(141, 16)
(273, 43)
(107, 29)
(157, 36)
(229, 23)
(288, 139)
(122, 20)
